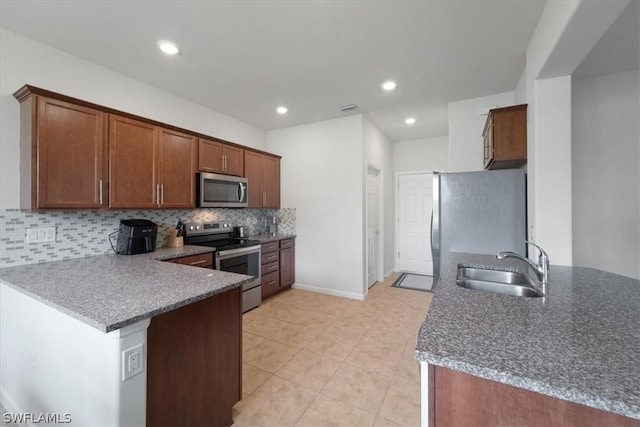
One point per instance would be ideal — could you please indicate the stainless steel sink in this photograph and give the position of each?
(506, 282)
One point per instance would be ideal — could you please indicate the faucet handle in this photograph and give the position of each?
(544, 257)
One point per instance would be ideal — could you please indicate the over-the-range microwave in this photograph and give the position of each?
(221, 191)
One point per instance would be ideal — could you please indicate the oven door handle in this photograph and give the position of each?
(229, 253)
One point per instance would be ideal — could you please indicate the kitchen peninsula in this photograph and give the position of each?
(70, 328)
(570, 358)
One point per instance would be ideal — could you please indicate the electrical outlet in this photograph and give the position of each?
(132, 361)
(41, 234)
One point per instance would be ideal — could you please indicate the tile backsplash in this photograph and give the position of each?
(85, 233)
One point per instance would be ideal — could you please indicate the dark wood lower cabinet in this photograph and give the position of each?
(465, 400)
(194, 365)
(278, 266)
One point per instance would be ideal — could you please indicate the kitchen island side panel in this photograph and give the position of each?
(53, 363)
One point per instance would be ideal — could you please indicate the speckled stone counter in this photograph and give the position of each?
(112, 291)
(264, 238)
(581, 343)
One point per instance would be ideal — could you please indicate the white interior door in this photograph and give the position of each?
(415, 201)
(373, 225)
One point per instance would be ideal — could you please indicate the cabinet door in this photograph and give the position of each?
(270, 284)
(287, 276)
(133, 168)
(253, 173)
(71, 156)
(510, 134)
(233, 160)
(177, 169)
(271, 182)
(209, 156)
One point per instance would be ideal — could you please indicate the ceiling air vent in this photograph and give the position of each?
(348, 107)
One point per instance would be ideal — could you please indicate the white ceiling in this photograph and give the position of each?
(244, 58)
(619, 48)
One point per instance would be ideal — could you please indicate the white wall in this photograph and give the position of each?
(24, 61)
(421, 154)
(52, 363)
(565, 34)
(606, 180)
(552, 164)
(466, 123)
(378, 151)
(323, 179)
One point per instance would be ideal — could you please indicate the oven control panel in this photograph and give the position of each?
(195, 228)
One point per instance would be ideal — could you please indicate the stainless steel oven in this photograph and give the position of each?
(231, 254)
(244, 260)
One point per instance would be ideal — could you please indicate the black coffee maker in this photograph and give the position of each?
(136, 236)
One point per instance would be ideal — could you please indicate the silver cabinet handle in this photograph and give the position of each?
(264, 198)
(100, 185)
(162, 194)
(158, 195)
(224, 162)
(203, 261)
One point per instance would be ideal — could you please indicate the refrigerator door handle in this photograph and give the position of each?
(435, 228)
(431, 230)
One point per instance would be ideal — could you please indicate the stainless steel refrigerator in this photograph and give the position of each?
(478, 212)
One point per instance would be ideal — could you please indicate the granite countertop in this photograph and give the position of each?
(109, 292)
(581, 343)
(264, 238)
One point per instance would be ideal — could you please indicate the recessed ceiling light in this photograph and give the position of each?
(282, 110)
(389, 85)
(168, 47)
(410, 121)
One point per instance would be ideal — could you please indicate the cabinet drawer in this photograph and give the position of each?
(270, 246)
(270, 279)
(270, 257)
(269, 268)
(270, 288)
(201, 260)
(287, 243)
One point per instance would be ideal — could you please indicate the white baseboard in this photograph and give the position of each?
(389, 273)
(334, 292)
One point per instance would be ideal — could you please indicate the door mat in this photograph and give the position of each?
(417, 282)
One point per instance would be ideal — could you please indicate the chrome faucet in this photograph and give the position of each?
(541, 269)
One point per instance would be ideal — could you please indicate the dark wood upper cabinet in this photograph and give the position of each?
(217, 157)
(79, 155)
(505, 138)
(133, 163)
(150, 167)
(233, 160)
(63, 154)
(263, 173)
(177, 169)
(209, 156)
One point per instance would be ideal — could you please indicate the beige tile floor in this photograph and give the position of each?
(317, 360)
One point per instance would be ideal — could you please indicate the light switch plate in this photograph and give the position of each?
(41, 234)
